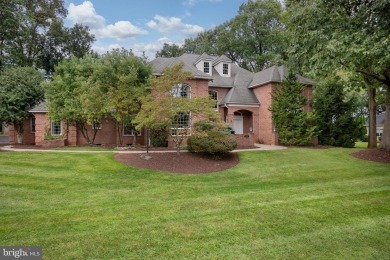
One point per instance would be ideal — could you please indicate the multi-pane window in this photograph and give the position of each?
(225, 69)
(32, 124)
(181, 123)
(206, 67)
(214, 96)
(181, 90)
(130, 130)
(56, 128)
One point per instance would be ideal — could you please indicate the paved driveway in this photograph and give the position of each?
(3, 139)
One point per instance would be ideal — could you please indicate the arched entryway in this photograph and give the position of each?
(243, 122)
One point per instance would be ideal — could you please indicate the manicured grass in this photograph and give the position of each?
(361, 144)
(287, 204)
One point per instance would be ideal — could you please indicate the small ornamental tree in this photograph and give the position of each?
(20, 91)
(171, 103)
(293, 124)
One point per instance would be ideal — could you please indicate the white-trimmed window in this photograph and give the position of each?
(56, 128)
(97, 125)
(130, 130)
(214, 96)
(32, 124)
(225, 69)
(181, 90)
(181, 124)
(206, 67)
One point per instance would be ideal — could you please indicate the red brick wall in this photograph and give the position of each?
(265, 125)
(28, 136)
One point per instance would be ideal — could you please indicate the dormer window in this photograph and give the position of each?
(225, 69)
(206, 67)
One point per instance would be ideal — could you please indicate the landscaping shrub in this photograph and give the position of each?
(216, 143)
(159, 136)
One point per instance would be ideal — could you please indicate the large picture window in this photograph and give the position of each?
(56, 128)
(181, 90)
(181, 123)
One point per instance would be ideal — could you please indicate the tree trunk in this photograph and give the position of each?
(372, 141)
(18, 126)
(385, 141)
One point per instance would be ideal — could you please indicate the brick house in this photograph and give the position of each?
(243, 101)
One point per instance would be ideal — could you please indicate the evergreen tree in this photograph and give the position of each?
(293, 124)
(336, 118)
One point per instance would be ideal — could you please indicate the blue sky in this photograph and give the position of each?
(145, 25)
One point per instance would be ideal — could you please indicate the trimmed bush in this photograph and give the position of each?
(159, 136)
(216, 143)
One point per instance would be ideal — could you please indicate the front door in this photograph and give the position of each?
(238, 124)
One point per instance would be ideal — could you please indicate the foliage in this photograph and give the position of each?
(288, 204)
(33, 34)
(337, 119)
(343, 35)
(86, 90)
(254, 38)
(159, 136)
(20, 91)
(163, 107)
(293, 124)
(170, 51)
(210, 138)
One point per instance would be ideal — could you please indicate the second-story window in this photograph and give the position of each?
(225, 69)
(181, 90)
(206, 67)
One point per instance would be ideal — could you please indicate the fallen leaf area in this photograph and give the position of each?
(183, 163)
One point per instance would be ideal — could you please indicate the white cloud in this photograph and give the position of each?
(172, 24)
(85, 14)
(150, 49)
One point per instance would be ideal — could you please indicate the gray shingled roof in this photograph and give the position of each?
(275, 74)
(241, 82)
(39, 108)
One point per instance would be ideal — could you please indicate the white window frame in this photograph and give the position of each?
(206, 67)
(225, 69)
(188, 128)
(52, 127)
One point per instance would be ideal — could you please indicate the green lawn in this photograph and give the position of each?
(287, 204)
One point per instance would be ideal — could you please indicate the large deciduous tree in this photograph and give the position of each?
(20, 90)
(350, 35)
(32, 34)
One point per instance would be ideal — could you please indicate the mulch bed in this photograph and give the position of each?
(183, 163)
(375, 155)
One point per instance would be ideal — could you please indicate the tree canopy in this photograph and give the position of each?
(32, 34)
(20, 91)
(84, 90)
(327, 36)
